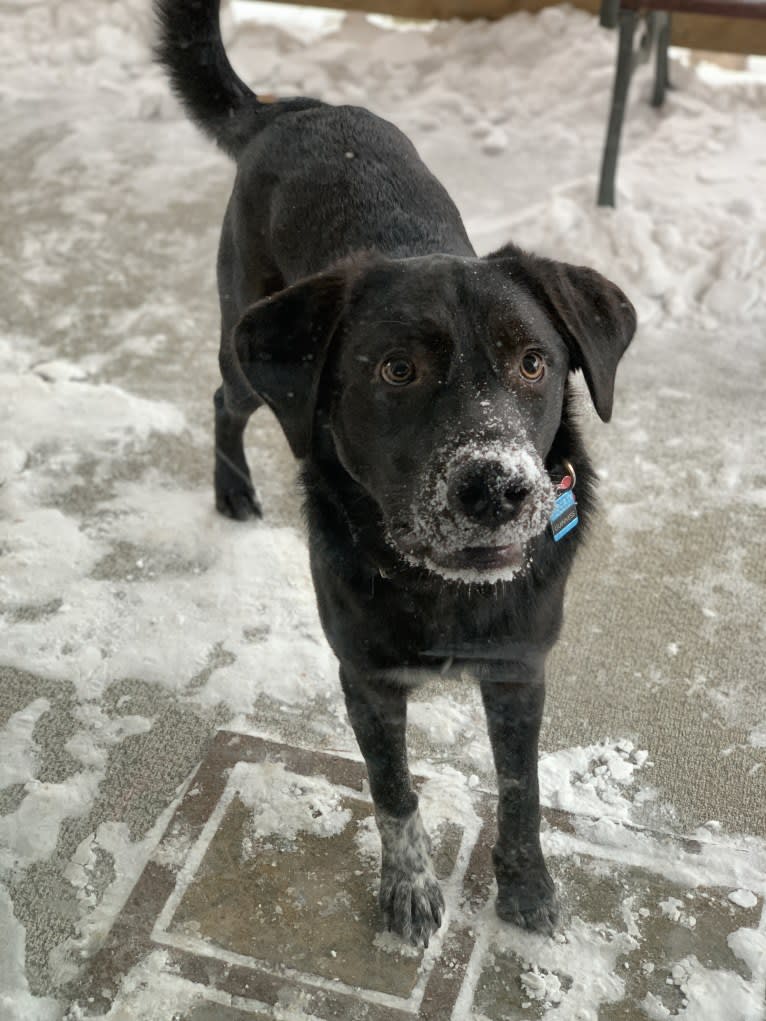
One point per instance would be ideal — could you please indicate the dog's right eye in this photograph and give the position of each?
(398, 371)
(532, 366)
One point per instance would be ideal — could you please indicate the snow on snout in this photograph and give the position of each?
(437, 526)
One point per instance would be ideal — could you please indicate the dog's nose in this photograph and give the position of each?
(487, 493)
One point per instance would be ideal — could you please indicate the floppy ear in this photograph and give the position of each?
(279, 348)
(593, 316)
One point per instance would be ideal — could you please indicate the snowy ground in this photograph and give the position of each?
(133, 620)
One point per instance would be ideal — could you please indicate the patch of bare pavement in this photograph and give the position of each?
(264, 919)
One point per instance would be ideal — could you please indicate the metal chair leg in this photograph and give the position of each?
(609, 13)
(628, 21)
(661, 83)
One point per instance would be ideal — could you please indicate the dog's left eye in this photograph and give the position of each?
(398, 371)
(532, 366)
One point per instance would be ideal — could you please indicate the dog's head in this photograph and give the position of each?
(442, 380)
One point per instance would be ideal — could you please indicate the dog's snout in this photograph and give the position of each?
(487, 493)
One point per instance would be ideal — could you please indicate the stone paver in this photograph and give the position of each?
(270, 923)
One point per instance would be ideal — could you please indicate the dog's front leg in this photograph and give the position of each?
(410, 897)
(235, 496)
(513, 702)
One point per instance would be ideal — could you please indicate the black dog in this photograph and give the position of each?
(426, 393)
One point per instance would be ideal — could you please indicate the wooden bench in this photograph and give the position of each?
(656, 14)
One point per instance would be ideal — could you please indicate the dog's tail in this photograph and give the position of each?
(190, 48)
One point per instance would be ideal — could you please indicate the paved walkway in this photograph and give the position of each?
(135, 623)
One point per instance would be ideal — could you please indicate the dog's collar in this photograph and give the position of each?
(564, 475)
(564, 516)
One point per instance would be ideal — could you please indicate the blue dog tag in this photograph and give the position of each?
(564, 516)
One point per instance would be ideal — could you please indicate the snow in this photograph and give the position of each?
(284, 804)
(750, 946)
(743, 898)
(84, 413)
(710, 992)
(91, 637)
(526, 98)
(150, 991)
(17, 742)
(541, 985)
(30, 833)
(99, 909)
(593, 780)
(587, 956)
(16, 1002)
(442, 719)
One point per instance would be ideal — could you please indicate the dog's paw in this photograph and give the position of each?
(529, 902)
(412, 905)
(240, 503)
(410, 895)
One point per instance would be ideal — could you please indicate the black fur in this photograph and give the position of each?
(343, 260)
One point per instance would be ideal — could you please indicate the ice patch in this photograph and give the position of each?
(16, 1001)
(284, 804)
(671, 908)
(45, 552)
(571, 975)
(743, 898)
(100, 733)
(100, 908)
(713, 993)
(367, 840)
(30, 833)
(593, 780)
(70, 418)
(391, 943)
(542, 985)
(750, 946)
(19, 750)
(151, 991)
(211, 601)
(443, 719)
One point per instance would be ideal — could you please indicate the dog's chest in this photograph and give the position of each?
(458, 634)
